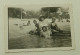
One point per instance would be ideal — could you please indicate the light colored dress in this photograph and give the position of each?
(47, 33)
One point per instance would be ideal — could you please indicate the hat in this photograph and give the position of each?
(41, 16)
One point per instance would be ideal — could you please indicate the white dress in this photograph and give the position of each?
(47, 33)
(43, 23)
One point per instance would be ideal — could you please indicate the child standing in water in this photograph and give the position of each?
(45, 32)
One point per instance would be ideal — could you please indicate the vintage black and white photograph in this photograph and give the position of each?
(37, 27)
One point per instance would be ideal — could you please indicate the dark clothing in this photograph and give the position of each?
(37, 26)
(37, 30)
(55, 27)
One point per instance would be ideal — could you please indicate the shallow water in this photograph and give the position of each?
(20, 39)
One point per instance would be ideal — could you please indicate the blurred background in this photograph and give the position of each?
(29, 13)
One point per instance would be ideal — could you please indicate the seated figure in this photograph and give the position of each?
(53, 26)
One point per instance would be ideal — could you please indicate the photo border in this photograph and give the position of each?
(6, 29)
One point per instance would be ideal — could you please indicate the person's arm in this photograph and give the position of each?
(39, 27)
(57, 28)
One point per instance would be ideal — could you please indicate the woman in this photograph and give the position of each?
(53, 26)
(43, 26)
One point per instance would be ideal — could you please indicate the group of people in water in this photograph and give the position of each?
(45, 29)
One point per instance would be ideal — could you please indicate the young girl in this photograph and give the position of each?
(45, 32)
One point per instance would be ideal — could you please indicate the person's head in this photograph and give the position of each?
(44, 28)
(34, 21)
(53, 19)
(41, 18)
(28, 21)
